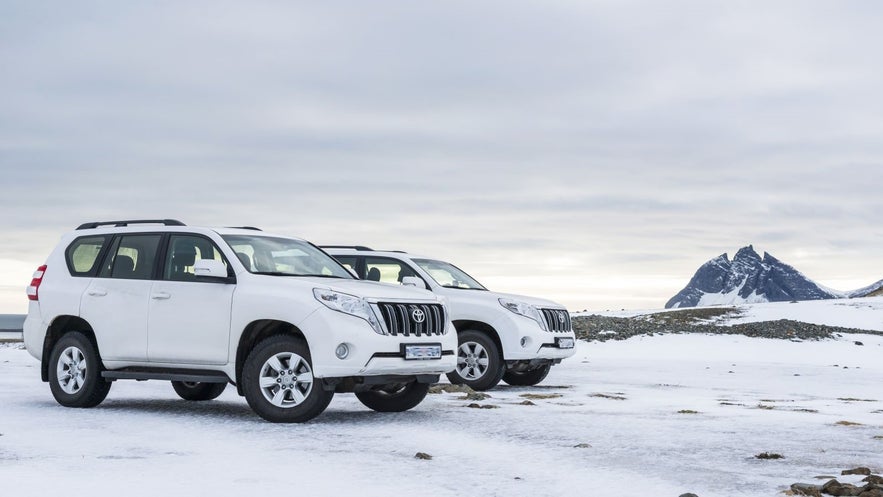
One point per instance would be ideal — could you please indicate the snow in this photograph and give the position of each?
(864, 313)
(145, 441)
(728, 298)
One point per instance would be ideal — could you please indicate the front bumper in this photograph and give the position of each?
(523, 339)
(369, 353)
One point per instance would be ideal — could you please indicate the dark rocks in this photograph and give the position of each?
(603, 328)
(806, 489)
(769, 455)
(423, 455)
(873, 487)
(482, 406)
(859, 343)
(688, 495)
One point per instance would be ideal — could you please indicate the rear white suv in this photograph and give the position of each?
(510, 337)
(204, 307)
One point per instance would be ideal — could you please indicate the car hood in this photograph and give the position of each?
(373, 290)
(494, 296)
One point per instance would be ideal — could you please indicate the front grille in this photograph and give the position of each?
(400, 319)
(557, 320)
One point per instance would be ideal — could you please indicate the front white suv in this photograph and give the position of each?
(203, 307)
(510, 337)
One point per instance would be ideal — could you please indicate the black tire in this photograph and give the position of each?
(198, 391)
(469, 370)
(527, 378)
(297, 400)
(75, 372)
(398, 397)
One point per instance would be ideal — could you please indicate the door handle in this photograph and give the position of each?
(161, 296)
(97, 292)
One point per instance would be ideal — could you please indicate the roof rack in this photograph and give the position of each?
(244, 228)
(355, 247)
(166, 222)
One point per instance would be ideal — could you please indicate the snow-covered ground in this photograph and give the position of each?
(861, 313)
(864, 313)
(622, 398)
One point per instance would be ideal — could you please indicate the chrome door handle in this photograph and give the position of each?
(97, 293)
(161, 296)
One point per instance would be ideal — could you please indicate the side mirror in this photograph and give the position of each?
(210, 268)
(413, 281)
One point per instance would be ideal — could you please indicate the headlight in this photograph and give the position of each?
(349, 304)
(526, 310)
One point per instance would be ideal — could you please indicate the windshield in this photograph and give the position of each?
(448, 275)
(284, 257)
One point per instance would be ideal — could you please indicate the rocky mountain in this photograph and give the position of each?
(749, 278)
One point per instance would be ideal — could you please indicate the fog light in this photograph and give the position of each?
(342, 351)
(524, 341)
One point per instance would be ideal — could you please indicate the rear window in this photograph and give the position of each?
(82, 255)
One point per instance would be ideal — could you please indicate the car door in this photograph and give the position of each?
(189, 317)
(115, 302)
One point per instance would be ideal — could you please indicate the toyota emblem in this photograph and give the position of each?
(561, 317)
(418, 315)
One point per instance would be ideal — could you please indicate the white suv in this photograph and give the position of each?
(509, 337)
(203, 307)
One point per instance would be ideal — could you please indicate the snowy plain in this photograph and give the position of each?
(605, 422)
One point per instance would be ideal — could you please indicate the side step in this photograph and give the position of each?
(143, 374)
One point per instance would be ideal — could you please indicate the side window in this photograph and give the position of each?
(184, 251)
(349, 262)
(386, 270)
(82, 255)
(132, 257)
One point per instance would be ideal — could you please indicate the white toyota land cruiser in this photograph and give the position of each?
(204, 307)
(509, 337)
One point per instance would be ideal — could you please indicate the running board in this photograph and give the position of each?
(166, 375)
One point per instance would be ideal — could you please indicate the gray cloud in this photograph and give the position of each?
(584, 143)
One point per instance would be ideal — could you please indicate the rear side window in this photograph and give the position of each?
(132, 257)
(82, 255)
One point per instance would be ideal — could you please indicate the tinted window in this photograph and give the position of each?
(132, 257)
(184, 251)
(386, 270)
(348, 261)
(82, 255)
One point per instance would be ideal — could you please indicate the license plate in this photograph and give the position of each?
(565, 343)
(422, 352)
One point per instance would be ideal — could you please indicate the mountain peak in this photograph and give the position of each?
(748, 278)
(747, 253)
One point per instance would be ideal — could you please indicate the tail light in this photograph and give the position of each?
(35, 283)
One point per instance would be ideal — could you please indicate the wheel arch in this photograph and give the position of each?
(254, 333)
(60, 326)
(463, 325)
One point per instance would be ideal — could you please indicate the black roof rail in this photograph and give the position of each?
(244, 228)
(355, 247)
(166, 222)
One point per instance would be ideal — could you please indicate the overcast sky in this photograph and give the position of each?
(592, 152)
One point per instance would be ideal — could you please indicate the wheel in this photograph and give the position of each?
(398, 397)
(195, 390)
(278, 381)
(527, 378)
(479, 361)
(75, 372)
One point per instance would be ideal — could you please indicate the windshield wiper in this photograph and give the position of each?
(464, 288)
